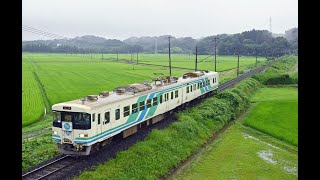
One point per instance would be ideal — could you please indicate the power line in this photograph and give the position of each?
(52, 35)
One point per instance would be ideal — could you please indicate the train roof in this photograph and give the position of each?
(130, 91)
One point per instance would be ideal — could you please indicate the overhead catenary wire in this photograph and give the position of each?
(57, 36)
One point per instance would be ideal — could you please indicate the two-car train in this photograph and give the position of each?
(79, 126)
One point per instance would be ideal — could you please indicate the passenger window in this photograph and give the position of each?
(148, 103)
(107, 117)
(117, 112)
(141, 105)
(98, 119)
(134, 108)
(194, 87)
(191, 88)
(126, 111)
(160, 98)
(198, 85)
(155, 101)
(187, 89)
(176, 94)
(93, 117)
(172, 95)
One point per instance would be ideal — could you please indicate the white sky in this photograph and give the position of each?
(120, 19)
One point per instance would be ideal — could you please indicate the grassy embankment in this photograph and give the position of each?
(165, 149)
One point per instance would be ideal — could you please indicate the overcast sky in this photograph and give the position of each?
(120, 19)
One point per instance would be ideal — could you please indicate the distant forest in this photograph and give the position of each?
(254, 42)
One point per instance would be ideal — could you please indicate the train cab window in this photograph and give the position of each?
(148, 103)
(106, 117)
(117, 112)
(141, 105)
(126, 111)
(98, 119)
(93, 117)
(81, 120)
(57, 119)
(187, 89)
(172, 95)
(176, 94)
(155, 101)
(160, 98)
(208, 81)
(191, 88)
(134, 108)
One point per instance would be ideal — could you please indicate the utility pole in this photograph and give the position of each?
(256, 57)
(169, 37)
(238, 64)
(91, 56)
(137, 56)
(156, 47)
(117, 55)
(196, 59)
(102, 55)
(215, 52)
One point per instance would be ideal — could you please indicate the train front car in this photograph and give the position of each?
(71, 121)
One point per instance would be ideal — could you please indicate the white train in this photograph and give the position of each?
(80, 126)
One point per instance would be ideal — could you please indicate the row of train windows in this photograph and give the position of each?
(126, 109)
(197, 86)
(150, 102)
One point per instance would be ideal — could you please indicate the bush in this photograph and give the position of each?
(276, 74)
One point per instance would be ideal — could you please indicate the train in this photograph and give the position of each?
(82, 126)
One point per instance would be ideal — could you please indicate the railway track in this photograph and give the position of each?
(50, 168)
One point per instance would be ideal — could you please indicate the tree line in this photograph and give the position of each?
(253, 42)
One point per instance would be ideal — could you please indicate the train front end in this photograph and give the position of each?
(71, 123)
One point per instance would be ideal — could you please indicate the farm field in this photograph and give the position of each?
(263, 145)
(276, 113)
(33, 104)
(242, 153)
(188, 61)
(66, 77)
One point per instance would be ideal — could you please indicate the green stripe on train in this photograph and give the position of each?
(134, 116)
(153, 109)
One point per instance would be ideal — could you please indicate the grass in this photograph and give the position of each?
(37, 150)
(32, 102)
(67, 78)
(235, 155)
(276, 113)
(165, 149)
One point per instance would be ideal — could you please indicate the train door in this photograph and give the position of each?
(167, 101)
(106, 124)
(99, 126)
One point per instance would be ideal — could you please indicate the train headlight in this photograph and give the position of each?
(83, 135)
(55, 132)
